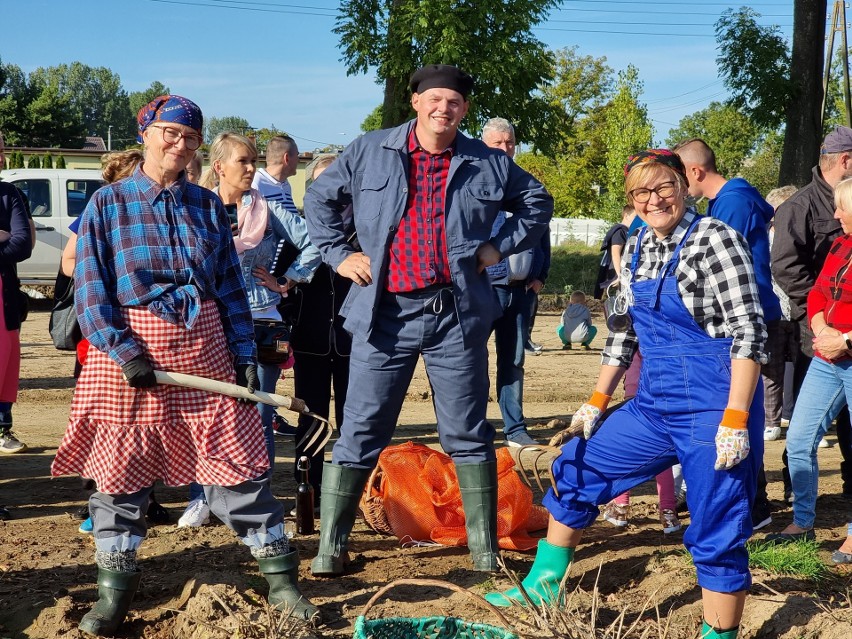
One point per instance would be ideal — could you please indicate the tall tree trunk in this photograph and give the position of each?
(803, 134)
(395, 107)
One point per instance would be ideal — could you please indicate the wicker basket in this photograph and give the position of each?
(436, 627)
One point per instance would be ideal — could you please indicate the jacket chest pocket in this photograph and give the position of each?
(482, 202)
(370, 196)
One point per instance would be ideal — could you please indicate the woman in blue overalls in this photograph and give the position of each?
(697, 321)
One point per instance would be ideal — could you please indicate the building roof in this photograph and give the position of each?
(94, 143)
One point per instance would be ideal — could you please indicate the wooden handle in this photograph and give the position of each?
(230, 390)
(438, 584)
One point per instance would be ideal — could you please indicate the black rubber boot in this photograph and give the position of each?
(115, 592)
(282, 573)
(478, 485)
(341, 491)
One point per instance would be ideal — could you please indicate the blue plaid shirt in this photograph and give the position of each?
(166, 249)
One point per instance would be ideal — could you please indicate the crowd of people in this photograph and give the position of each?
(419, 241)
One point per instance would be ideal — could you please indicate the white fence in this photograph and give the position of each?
(584, 230)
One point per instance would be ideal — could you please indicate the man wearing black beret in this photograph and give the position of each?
(425, 198)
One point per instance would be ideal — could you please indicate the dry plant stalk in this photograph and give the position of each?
(568, 617)
(272, 624)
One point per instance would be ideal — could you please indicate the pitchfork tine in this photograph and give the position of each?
(317, 436)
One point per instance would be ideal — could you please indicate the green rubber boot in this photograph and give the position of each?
(342, 487)
(115, 592)
(478, 486)
(282, 573)
(709, 632)
(542, 583)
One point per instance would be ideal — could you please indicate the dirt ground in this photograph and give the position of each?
(47, 571)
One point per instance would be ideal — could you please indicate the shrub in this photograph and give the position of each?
(573, 266)
(60, 162)
(47, 161)
(33, 162)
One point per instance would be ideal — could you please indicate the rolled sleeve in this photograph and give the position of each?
(732, 280)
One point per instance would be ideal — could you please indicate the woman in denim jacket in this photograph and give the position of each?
(259, 226)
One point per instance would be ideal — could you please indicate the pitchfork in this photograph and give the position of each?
(314, 440)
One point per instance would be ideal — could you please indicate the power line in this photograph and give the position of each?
(218, 6)
(643, 33)
(680, 95)
(667, 12)
(650, 24)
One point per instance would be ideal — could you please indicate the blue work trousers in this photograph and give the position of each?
(408, 325)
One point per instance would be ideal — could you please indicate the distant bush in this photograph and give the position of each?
(47, 161)
(60, 162)
(33, 162)
(573, 266)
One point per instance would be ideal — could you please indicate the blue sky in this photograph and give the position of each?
(276, 62)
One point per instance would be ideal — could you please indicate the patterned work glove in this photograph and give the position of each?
(589, 414)
(139, 373)
(732, 445)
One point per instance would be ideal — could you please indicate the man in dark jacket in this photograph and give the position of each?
(424, 199)
(517, 279)
(805, 228)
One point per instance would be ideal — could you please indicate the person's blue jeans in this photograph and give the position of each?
(268, 375)
(827, 388)
(511, 331)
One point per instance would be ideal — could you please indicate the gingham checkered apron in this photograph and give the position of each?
(125, 438)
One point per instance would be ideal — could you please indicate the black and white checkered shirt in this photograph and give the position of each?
(715, 280)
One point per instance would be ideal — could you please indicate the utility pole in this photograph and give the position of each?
(838, 25)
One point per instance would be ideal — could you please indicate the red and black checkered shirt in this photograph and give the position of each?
(418, 253)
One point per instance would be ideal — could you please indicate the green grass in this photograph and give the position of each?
(573, 266)
(800, 559)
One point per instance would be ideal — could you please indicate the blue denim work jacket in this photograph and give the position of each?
(372, 175)
(282, 225)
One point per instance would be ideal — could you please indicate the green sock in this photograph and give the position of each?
(709, 632)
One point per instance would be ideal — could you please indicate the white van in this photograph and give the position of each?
(56, 197)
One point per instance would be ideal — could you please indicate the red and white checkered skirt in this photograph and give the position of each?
(126, 438)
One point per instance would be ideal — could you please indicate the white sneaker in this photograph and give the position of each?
(771, 433)
(197, 514)
(824, 443)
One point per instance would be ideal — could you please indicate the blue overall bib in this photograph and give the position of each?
(683, 391)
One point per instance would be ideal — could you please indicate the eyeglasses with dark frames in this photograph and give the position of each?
(173, 136)
(664, 191)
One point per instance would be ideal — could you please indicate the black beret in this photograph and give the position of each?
(441, 76)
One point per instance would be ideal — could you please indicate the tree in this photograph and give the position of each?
(264, 135)
(229, 123)
(754, 62)
(95, 93)
(47, 160)
(582, 85)
(137, 99)
(51, 118)
(627, 131)
(763, 167)
(15, 94)
(60, 162)
(490, 40)
(33, 162)
(775, 86)
(729, 132)
(373, 122)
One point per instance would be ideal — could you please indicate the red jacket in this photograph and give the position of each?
(832, 291)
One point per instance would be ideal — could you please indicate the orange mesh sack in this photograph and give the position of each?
(414, 494)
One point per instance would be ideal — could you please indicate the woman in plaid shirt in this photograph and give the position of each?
(159, 287)
(695, 316)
